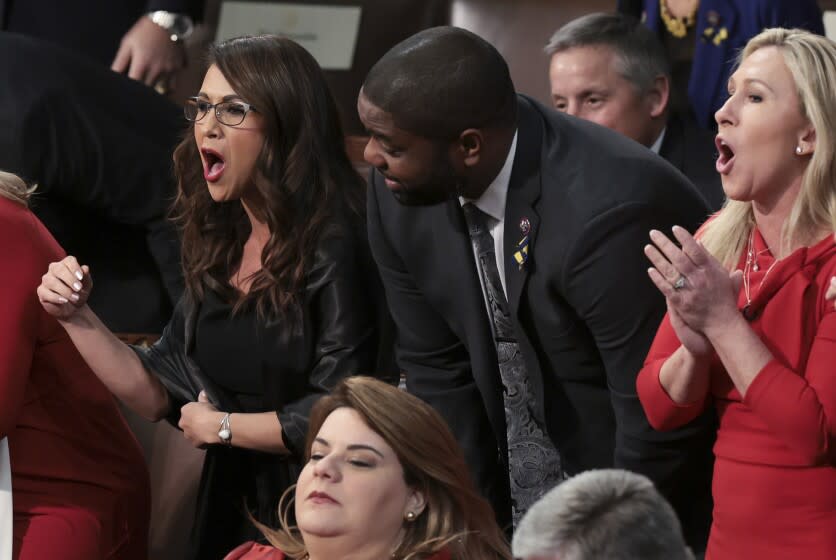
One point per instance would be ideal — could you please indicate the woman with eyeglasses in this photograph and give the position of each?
(276, 309)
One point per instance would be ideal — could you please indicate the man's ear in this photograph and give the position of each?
(658, 96)
(468, 147)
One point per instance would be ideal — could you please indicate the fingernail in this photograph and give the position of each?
(79, 275)
(74, 297)
(62, 299)
(76, 286)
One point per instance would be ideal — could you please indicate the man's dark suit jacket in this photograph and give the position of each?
(585, 311)
(99, 147)
(691, 150)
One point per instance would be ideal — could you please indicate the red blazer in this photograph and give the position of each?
(774, 479)
(71, 451)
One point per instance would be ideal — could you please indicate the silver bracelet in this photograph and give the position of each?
(225, 433)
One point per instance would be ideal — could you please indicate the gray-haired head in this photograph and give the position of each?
(607, 514)
(641, 56)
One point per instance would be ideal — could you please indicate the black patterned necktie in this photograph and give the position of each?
(533, 460)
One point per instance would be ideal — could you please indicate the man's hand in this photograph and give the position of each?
(148, 54)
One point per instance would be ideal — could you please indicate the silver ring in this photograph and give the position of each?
(680, 283)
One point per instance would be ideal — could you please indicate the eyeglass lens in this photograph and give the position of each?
(230, 113)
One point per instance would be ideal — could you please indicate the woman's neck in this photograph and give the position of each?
(341, 548)
(771, 216)
(259, 230)
(681, 8)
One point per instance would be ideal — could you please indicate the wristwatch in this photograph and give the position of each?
(225, 433)
(180, 26)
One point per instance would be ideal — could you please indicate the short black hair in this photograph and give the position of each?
(441, 81)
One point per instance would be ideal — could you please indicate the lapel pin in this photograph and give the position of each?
(713, 18)
(721, 36)
(521, 254)
(525, 226)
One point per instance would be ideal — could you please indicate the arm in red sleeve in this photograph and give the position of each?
(801, 408)
(662, 412)
(19, 308)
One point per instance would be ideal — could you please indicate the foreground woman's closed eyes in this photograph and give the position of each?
(384, 479)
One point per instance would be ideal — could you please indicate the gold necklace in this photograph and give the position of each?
(752, 264)
(678, 27)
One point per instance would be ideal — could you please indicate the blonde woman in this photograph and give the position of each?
(384, 479)
(748, 325)
(81, 489)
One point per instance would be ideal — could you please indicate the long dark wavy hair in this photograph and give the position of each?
(302, 179)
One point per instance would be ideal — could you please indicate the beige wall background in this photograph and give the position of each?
(520, 29)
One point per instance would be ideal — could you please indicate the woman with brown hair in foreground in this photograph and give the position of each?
(384, 479)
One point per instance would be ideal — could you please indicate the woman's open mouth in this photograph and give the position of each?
(213, 164)
(725, 159)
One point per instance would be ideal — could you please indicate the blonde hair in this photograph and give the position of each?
(812, 61)
(456, 517)
(14, 188)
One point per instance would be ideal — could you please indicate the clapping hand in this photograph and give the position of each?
(700, 293)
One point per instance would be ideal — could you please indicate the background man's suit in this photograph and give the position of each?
(584, 310)
(691, 149)
(90, 27)
(99, 147)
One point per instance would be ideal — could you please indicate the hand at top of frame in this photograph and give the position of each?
(65, 288)
(148, 54)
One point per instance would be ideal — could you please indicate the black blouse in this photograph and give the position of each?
(285, 370)
(232, 349)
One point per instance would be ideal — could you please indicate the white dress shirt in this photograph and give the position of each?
(657, 145)
(492, 203)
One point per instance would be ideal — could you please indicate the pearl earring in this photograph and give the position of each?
(410, 516)
(798, 150)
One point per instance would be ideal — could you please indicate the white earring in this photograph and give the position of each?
(799, 150)
(410, 516)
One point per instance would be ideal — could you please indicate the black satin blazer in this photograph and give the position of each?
(338, 337)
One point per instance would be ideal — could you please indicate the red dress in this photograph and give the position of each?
(253, 551)
(774, 480)
(80, 487)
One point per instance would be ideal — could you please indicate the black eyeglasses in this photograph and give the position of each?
(230, 113)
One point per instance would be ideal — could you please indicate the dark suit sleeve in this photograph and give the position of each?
(192, 8)
(608, 286)
(630, 7)
(343, 323)
(436, 362)
(805, 14)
